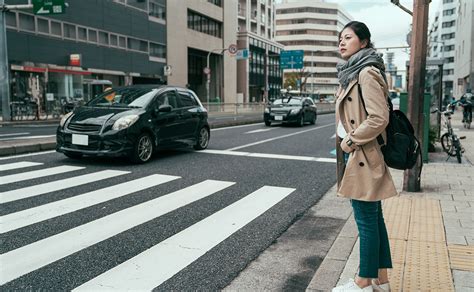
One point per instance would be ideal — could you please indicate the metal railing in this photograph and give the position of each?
(254, 107)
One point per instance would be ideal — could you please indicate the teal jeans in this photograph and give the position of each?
(373, 237)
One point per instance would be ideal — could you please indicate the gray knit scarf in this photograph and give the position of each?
(349, 70)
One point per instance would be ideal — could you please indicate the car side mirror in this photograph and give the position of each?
(165, 108)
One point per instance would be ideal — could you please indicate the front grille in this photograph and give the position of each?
(280, 112)
(84, 127)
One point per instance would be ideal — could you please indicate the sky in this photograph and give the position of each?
(387, 23)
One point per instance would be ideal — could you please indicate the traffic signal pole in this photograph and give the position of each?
(416, 86)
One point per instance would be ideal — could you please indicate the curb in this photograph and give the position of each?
(25, 147)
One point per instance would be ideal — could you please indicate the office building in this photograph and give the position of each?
(313, 26)
(464, 48)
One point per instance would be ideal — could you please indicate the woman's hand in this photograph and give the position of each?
(347, 145)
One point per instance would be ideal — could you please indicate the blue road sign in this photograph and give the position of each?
(291, 59)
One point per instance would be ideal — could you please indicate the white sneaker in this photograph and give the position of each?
(380, 287)
(351, 286)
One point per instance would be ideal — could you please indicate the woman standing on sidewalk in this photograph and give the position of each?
(362, 174)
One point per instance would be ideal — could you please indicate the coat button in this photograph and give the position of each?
(352, 121)
(361, 164)
(349, 98)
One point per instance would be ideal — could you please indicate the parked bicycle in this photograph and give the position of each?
(450, 141)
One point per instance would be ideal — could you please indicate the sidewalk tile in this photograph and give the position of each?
(463, 278)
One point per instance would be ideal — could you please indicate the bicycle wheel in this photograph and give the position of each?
(446, 142)
(457, 146)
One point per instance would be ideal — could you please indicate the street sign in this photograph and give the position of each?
(242, 54)
(207, 70)
(167, 70)
(43, 7)
(291, 59)
(232, 49)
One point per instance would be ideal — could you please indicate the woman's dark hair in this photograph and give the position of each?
(361, 30)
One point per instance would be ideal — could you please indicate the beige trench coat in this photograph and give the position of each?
(365, 177)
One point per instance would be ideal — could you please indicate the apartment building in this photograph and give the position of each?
(121, 42)
(259, 77)
(200, 31)
(313, 26)
(441, 42)
(464, 48)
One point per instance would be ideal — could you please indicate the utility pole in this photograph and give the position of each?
(416, 86)
(4, 70)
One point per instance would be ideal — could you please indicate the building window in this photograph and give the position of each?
(306, 10)
(448, 23)
(103, 38)
(216, 2)
(27, 22)
(447, 36)
(56, 28)
(137, 45)
(157, 50)
(449, 12)
(113, 40)
(92, 35)
(448, 1)
(122, 42)
(43, 25)
(157, 10)
(82, 34)
(204, 24)
(69, 31)
(11, 19)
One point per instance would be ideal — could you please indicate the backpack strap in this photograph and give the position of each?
(379, 137)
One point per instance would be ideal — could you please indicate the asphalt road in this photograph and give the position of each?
(186, 220)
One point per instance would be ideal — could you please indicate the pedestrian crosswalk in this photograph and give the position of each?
(142, 271)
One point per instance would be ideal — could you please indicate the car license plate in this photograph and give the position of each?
(80, 139)
(278, 118)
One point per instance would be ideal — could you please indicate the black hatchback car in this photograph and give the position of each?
(134, 121)
(298, 110)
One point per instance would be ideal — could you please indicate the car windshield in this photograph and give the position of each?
(124, 97)
(287, 101)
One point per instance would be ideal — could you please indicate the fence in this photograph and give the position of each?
(256, 107)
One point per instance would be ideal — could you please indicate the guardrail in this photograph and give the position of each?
(256, 107)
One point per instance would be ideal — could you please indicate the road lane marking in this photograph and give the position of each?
(14, 134)
(41, 253)
(259, 131)
(53, 186)
(27, 137)
(236, 127)
(27, 155)
(16, 165)
(268, 155)
(37, 173)
(34, 215)
(154, 266)
(279, 137)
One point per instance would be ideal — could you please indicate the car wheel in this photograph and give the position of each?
(313, 121)
(143, 149)
(301, 123)
(73, 155)
(268, 123)
(202, 139)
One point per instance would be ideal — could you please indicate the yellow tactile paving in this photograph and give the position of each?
(461, 257)
(418, 245)
(398, 250)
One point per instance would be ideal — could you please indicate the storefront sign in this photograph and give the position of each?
(75, 60)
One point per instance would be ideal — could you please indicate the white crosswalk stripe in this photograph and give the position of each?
(145, 272)
(37, 174)
(17, 165)
(37, 214)
(142, 272)
(28, 192)
(36, 255)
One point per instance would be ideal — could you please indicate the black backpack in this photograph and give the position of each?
(402, 148)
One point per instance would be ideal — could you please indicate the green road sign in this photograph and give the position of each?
(291, 59)
(43, 7)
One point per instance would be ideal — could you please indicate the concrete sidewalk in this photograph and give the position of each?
(431, 232)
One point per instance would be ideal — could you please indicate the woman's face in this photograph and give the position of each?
(349, 43)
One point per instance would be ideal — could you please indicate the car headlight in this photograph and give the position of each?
(124, 122)
(295, 111)
(267, 110)
(64, 119)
